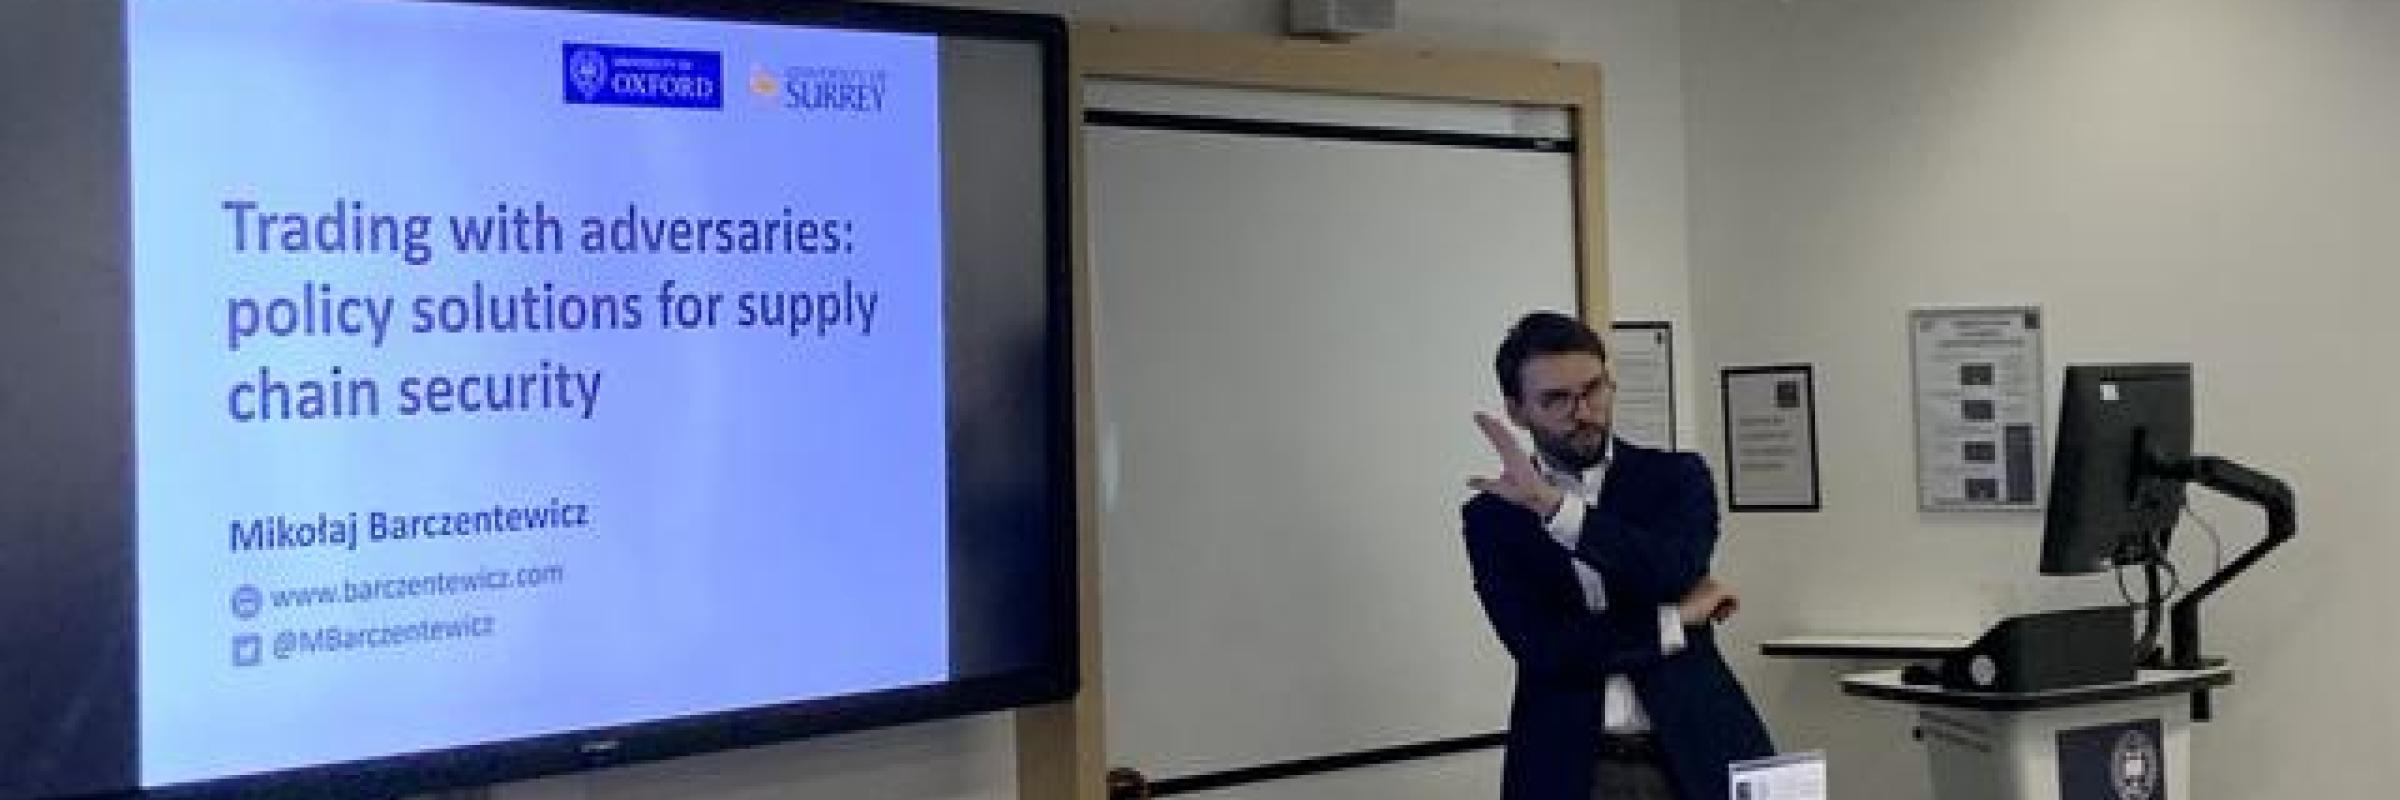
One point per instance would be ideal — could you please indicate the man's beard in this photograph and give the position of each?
(1575, 451)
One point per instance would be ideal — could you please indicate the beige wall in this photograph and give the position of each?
(2203, 180)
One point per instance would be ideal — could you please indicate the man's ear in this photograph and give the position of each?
(1516, 413)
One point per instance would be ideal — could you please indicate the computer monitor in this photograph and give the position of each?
(2113, 501)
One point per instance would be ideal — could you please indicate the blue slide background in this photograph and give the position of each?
(768, 514)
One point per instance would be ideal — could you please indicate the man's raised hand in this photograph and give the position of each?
(1520, 482)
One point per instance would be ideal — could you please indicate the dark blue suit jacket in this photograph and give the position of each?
(1650, 537)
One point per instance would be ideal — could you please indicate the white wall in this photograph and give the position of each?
(2202, 180)
(1636, 42)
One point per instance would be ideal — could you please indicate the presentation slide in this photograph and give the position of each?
(501, 372)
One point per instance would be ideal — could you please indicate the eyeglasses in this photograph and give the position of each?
(1563, 401)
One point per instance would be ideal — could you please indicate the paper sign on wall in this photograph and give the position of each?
(1771, 438)
(1978, 378)
(1642, 355)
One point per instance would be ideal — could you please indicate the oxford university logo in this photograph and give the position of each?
(651, 77)
(589, 71)
(2134, 767)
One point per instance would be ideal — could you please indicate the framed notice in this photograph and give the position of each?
(1770, 437)
(1643, 355)
(1977, 374)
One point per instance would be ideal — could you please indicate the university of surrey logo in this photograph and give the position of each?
(841, 90)
(2133, 767)
(588, 70)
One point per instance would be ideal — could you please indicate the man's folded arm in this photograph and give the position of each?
(1660, 562)
(1549, 638)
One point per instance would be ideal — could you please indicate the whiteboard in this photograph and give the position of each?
(1290, 335)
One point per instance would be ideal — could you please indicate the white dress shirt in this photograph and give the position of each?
(1621, 710)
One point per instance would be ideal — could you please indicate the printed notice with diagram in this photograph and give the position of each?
(1978, 377)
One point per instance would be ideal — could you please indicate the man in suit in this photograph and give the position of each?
(1591, 557)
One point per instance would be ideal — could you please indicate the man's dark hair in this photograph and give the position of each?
(1541, 333)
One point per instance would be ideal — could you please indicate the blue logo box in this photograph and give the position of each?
(657, 77)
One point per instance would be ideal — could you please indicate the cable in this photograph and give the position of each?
(2213, 536)
(2174, 578)
(2166, 560)
(2152, 606)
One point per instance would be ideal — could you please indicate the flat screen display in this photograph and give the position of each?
(416, 393)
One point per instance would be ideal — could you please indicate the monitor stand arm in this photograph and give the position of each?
(2241, 483)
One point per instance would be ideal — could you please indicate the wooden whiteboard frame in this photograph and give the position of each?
(1061, 748)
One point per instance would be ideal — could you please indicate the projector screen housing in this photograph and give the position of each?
(299, 498)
